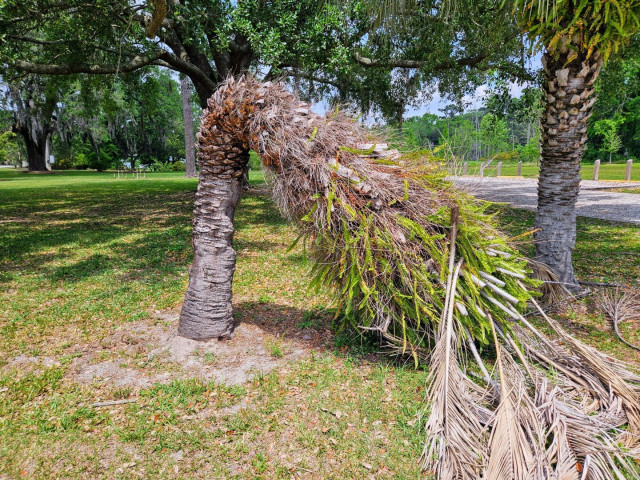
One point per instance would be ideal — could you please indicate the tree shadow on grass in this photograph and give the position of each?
(315, 329)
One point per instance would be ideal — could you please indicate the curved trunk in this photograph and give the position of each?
(568, 106)
(187, 113)
(206, 311)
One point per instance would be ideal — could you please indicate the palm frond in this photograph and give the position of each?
(453, 449)
(516, 451)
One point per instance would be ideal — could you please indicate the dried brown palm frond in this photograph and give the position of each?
(605, 370)
(454, 446)
(580, 445)
(516, 449)
(418, 261)
(553, 291)
(621, 306)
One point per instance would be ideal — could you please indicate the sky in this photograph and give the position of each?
(474, 101)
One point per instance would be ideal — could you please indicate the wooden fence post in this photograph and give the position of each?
(596, 169)
(520, 168)
(627, 175)
(499, 170)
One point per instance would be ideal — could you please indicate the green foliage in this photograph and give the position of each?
(81, 161)
(254, 161)
(495, 132)
(378, 277)
(530, 152)
(8, 148)
(104, 158)
(608, 129)
(618, 89)
(63, 163)
(504, 131)
(107, 121)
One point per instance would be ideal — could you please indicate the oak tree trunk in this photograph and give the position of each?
(570, 98)
(36, 151)
(187, 113)
(207, 311)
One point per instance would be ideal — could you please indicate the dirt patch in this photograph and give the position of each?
(139, 354)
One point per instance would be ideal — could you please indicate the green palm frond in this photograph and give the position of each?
(588, 25)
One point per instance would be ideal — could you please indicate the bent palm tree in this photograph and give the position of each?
(419, 262)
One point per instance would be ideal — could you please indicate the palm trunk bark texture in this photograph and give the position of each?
(569, 101)
(222, 157)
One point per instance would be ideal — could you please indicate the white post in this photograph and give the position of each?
(465, 168)
(499, 171)
(627, 175)
(596, 169)
(520, 168)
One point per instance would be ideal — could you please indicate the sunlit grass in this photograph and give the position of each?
(613, 171)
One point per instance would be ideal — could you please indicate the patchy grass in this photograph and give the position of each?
(627, 190)
(276, 347)
(84, 253)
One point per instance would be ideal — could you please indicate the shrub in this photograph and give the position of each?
(64, 163)
(506, 157)
(158, 166)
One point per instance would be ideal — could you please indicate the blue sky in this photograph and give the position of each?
(475, 100)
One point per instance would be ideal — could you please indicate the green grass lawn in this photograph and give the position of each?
(613, 171)
(628, 190)
(83, 255)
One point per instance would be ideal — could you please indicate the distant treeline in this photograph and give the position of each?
(508, 129)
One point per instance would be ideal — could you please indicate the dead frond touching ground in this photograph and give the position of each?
(422, 263)
(620, 305)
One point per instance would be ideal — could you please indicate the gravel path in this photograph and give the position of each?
(596, 200)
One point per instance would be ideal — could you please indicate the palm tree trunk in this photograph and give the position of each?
(207, 311)
(187, 113)
(568, 106)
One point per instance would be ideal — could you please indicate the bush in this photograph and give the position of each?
(529, 152)
(64, 163)
(158, 166)
(100, 161)
(507, 157)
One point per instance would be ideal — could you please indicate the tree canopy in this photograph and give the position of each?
(96, 122)
(339, 51)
